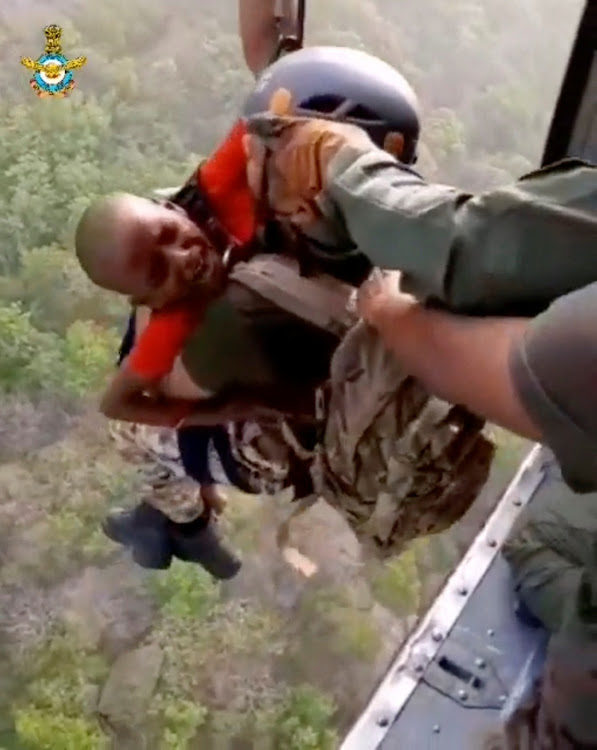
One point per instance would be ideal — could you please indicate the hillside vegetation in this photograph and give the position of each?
(92, 650)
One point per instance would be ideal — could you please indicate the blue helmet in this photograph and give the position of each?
(347, 85)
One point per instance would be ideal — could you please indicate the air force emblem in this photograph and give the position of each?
(52, 72)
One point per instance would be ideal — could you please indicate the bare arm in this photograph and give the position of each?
(258, 32)
(462, 360)
(130, 398)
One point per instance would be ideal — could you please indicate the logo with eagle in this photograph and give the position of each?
(52, 72)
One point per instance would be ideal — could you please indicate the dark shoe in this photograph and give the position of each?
(525, 615)
(143, 530)
(198, 542)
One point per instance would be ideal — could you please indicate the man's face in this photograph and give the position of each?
(168, 257)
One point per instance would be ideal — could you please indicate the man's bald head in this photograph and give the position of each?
(145, 249)
(105, 239)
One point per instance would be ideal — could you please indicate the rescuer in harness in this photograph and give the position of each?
(527, 250)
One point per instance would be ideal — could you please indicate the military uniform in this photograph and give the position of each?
(528, 249)
(164, 482)
(509, 251)
(553, 555)
(395, 462)
(553, 551)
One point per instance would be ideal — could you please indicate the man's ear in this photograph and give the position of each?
(394, 144)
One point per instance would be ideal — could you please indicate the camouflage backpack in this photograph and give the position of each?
(394, 461)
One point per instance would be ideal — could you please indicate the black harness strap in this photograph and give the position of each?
(193, 200)
(291, 32)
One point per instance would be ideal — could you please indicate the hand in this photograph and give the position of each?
(288, 157)
(381, 303)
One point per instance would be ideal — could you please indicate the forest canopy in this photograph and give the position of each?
(163, 82)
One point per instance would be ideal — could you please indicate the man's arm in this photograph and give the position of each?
(536, 377)
(461, 360)
(132, 398)
(397, 220)
(330, 178)
(258, 32)
(148, 354)
(509, 251)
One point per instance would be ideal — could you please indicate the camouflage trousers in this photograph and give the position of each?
(552, 552)
(164, 483)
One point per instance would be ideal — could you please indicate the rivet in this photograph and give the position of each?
(463, 695)
(503, 698)
(437, 635)
(383, 721)
(491, 632)
(436, 729)
(492, 543)
(462, 590)
(419, 668)
(480, 663)
(517, 502)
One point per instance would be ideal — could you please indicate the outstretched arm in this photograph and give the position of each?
(463, 361)
(508, 251)
(536, 377)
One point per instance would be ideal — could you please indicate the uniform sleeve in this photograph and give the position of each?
(554, 370)
(508, 251)
(395, 218)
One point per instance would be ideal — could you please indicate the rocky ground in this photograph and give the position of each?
(97, 653)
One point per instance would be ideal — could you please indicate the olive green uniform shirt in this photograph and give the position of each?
(555, 373)
(510, 251)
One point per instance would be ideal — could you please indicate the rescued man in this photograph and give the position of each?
(182, 471)
(153, 532)
(160, 257)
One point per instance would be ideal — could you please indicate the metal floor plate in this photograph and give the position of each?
(458, 701)
(471, 620)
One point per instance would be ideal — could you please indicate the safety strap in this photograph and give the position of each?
(320, 300)
(192, 199)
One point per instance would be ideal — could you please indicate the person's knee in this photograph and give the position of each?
(542, 577)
